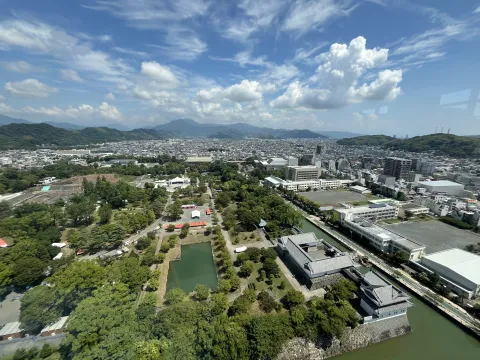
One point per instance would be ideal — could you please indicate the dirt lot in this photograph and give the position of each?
(77, 180)
(333, 198)
(436, 235)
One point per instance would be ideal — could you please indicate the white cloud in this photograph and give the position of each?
(257, 15)
(159, 73)
(182, 45)
(29, 88)
(152, 14)
(306, 15)
(109, 111)
(245, 91)
(4, 108)
(357, 116)
(70, 75)
(70, 112)
(477, 10)
(130, 52)
(110, 96)
(19, 66)
(41, 38)
(336, 81)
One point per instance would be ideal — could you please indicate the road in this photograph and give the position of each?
(445, 305)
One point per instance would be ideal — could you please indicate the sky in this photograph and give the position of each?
(396, 67)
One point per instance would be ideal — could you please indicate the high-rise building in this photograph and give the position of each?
(397, 167)
(298, 173)
(321, 150)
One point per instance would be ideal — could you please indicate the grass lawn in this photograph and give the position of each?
(262, 285)
(196, 237)
(244, 237)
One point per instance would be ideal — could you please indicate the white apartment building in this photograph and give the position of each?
(370, 212)
(303, 185)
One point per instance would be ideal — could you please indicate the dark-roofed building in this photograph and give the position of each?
(316, 262)
(380, 299)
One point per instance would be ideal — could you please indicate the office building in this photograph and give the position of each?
(459, 270)
(299, 173)
(277, 163)
(442, 186)
(383, 239)
(315, 262)
(386, 180)
(397, 167)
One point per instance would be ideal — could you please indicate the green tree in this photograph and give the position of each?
(143, 243)
(202, 292)
(174, 211)
(130, 272)
(271, 267)
(293, 298)
(266, 302)
(105, 213)
(219, 303)
(401, 257)
(103, 325)
(38, 309)
(240, 305)
(174, 296)
(224, 285)
(342, 290)
(246, 269)
(28, 271)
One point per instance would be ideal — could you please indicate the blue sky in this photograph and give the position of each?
(369, 66)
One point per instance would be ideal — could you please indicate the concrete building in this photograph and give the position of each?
(412, 210)
(277, 163)
(298, 173)
(370, 212)
(386, 180)
(56, 328)
(380, 238)
(459, 270)
(314, 261)
(380, 299)
(360, 189)
(11, 331)
(397, 167)
(442, 186)
(303, 185)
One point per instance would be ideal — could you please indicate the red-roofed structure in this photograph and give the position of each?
(208, 211)
(3, 243)
(192, 224)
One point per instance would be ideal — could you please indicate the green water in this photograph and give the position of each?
(307, 226)
(196, 266)
(434, 336)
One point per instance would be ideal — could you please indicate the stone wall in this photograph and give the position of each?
(325, 281)
(361, 336)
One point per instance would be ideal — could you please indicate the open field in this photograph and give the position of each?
(333, 198)
(187, 216)
(436, 235)
(244, 237)
(77, 180)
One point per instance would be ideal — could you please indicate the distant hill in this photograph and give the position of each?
(339, 134)
(31, 136)
(302, 134)
(5, 120)
(441, 144)
(190, 128)
(368, 140)
(65, 125)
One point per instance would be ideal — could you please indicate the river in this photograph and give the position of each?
(434, 336)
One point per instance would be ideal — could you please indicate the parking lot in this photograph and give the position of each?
(436, 235)
(10, 308)
(333, 198)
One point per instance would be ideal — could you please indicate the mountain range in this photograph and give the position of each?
(440, 144)
(190, 128)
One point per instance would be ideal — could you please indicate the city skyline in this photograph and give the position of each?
(317, 65)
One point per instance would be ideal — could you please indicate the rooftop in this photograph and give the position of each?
(56, 326)
(10, 328)
(462, 262)
(439, 183)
